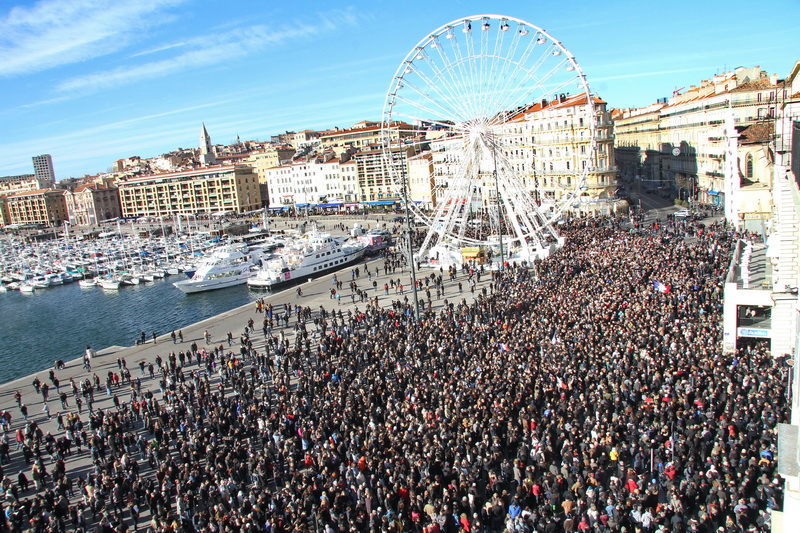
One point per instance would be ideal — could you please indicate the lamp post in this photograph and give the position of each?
(499, 207)
(410, 245)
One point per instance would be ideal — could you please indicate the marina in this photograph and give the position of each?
(59, 322)
(106, 291)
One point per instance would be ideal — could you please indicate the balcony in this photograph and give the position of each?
(602, 170)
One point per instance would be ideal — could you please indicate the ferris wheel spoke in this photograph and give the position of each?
(451, 74)
(438, 107)
(438, 113)
(465, 78)
(498, 67)
(517, 76)
(543, 81)
(438, 87)
(440, 83)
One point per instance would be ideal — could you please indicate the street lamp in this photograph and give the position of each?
(499, 207)
(410, 245)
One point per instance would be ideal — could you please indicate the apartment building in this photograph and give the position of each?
(43, 206)
(552, 150)
(702, 144)
(204, 190)
(421, 179)
(269, 157)
(304, 139)
(92, 203)
(348, 173)
(22, 183)
(43, 169)
(377, 183)
(361, 136)
(323, 182)
(280, 187)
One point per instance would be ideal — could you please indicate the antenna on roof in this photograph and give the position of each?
(676, 91)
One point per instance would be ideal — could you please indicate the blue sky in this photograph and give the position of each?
(92, 81)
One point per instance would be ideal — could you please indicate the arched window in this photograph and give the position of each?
(748, 167)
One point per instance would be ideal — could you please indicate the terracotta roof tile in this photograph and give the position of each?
(760, 132)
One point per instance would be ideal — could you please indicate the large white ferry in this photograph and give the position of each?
(226, 267)
(312, 255)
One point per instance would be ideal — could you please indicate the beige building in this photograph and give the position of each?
(205, 190)
(92, 203)
(638, 144)
(304, 139)
(681, 146)
(552, 152)
(421, 179)
(23, 183)
(269, 157)
(43, 206)
(361, 136)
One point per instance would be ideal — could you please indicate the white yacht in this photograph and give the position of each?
(226, 267)
(312, 255)
(40, 282)
(109, 283)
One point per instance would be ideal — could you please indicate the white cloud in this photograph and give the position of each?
(649, 74)
(158, 49)
(52, 33)
(207, 51)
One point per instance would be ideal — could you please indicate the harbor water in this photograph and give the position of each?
(59, 322)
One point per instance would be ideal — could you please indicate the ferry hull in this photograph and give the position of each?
(188, 286)
(291, 276)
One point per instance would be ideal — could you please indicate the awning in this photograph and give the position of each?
(381, 202)
(713, 193)
(352, 205)
(280, 208)
(333, 204)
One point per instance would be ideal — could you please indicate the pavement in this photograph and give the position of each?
(315, 294)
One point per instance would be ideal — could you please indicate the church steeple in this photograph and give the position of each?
(207, 155)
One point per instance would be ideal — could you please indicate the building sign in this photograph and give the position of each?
(754, 216)
(752, 332)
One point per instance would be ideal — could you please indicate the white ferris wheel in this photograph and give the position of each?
(465, 143)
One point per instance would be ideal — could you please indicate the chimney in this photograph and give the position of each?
(562, 98)
(773, 80)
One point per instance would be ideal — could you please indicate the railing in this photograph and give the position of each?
(761, 322)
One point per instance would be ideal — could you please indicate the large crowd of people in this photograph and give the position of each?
(587, 393)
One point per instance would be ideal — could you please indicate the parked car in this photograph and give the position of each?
(683, 213)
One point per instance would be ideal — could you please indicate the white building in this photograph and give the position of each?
(348, 172)
(784, 255)
(300, 184)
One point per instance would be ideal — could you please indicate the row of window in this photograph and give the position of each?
(329, 264)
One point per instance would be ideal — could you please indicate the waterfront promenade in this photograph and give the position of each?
(316, 295)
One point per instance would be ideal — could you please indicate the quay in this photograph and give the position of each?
(316, 294)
